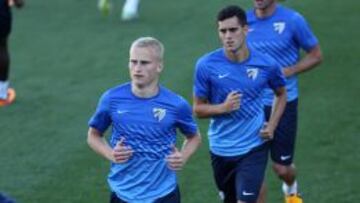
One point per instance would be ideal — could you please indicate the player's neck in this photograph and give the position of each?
(145, 91)
(239, 55)
(266, 12)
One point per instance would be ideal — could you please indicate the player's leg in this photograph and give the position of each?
(283, 149)
(263, 193)
(130, 10)
(250, 174)
(7, 95)
(224, 169)
(172, 197)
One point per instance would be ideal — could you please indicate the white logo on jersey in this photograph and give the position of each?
(122, 111)
(159, 113)
(279, 27)
(221, 76)
(252, 73)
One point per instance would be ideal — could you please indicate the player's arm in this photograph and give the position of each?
(119, 154)
(309, 61)
(277, 110)
(177, 159)
(203, 109)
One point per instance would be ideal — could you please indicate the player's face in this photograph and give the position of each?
(145, 66)
(263, 4)
(232, 34)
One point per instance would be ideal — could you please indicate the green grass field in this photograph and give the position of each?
(65, 54)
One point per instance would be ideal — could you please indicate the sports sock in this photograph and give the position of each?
(290, 190)
(131, 6)
(4, 85)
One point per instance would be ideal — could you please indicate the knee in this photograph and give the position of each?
(282, 171)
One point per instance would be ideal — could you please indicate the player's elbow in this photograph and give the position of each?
(317, 55)
(198, 112)
(93, 134)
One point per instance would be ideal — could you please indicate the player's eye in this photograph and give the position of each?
(234, 29)
(133, 62)
(223, 31)
(144, 62)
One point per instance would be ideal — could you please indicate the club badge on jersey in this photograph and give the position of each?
(159, 113)
(252, 73)
(279, 27)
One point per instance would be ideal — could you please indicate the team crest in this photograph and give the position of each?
(279, 27)
(252, 73)
(159, 113)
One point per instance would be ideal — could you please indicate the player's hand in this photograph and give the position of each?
(267, 132)
(121, 153)
(175, 160)
(232, 102)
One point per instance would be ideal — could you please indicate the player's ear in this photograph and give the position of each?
(245, 29)
(160, 67)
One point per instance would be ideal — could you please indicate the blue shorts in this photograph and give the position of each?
(240, 177)
(5, 20)
(283, 144)
(172, 197)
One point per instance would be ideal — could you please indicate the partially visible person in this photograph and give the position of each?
(5, 199)
(228, 86)
(129, 10)
(144, 117)
(7, 94)
(282, 33)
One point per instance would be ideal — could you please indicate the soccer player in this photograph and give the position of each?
(7, 94)
(229, 82)
(5, 199)
(281, 33)
(144, 117)
(129, 10)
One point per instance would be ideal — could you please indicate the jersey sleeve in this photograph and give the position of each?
(303, 33)
(185, 121)
(101, 120)
(201, 81)
(277, 78)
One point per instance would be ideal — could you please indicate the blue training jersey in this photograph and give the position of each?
(149, 128)
(215, 77)
(281, 36)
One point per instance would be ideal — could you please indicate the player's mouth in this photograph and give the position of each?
(138, 76)
(229, 43)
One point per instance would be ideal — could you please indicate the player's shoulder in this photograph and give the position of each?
(118, 90)
(172, 98)
(211, 57)
(170, 95)
(289, 13)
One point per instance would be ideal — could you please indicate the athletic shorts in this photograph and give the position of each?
(283, 144)
(240, 177)
(5, 20)
(172, 197)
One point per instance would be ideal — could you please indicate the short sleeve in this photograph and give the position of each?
(277, 78)
(185, 121)
(201, 81)
(303, 33)
(101, 119)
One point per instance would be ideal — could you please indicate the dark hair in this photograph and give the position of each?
(232, 11)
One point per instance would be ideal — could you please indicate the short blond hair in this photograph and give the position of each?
(150, 42)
